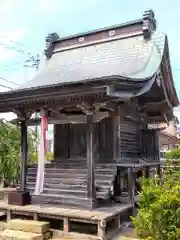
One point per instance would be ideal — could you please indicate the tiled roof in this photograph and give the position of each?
(133, 57)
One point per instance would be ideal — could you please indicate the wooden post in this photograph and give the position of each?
(157, 146)
(116, 135)
(21, 196)
(8, 215)
(147, 172)
(66, 225)
(102, 230)
(131, 185)
(24, 151)
(35, 216)
(159, 171)
(117, 149)
(91, 191)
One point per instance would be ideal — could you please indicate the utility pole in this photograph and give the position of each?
(33, 62)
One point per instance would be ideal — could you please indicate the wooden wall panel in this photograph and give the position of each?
(61, 141)
(130, 132)
(150, 144)
(130, 141)
(106, 139)
(78, 140)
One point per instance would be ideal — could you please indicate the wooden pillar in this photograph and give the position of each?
(91, 191)
(147, 172)
(116, 135)
(157, 147)
(131, 185)
(159, 171)
(24, 152)
(21, 196)
(117, 150)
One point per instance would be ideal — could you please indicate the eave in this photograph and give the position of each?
(65, 94)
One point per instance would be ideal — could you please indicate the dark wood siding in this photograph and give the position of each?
(130, 132)
(130, 142)
(69, 141)
(106, 139)
(61, 138)
(150, 144)
(78, 135)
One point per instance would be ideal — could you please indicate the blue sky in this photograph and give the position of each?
(28, 23)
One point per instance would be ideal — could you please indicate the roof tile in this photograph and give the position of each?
(134, 58)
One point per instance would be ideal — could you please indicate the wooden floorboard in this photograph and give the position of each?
(97, 214)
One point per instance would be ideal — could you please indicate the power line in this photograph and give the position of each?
(2, 85)
(14, 42)
(4, 79)
(11, 47)
(32, 59)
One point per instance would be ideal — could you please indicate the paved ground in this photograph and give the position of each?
(126, 234)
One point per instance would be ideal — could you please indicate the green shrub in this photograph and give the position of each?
(173, 154)
(49, 156)
(159, 207)
(34, 157)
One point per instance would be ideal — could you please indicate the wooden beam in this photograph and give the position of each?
(63, 118)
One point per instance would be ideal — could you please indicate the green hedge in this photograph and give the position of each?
(158, 217)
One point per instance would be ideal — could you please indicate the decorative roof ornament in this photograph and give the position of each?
(149, 23)
(50, 39)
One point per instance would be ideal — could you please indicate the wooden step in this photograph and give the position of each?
(63, 176)
(102, 193)
(61, 186)
(52, 199)
(66, 183)
(19, 235)
(65, 192)
(99, 195)
(28, 226)
(57, 181)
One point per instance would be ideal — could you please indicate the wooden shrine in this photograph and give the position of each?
(100, 89)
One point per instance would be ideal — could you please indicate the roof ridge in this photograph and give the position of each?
(147, 25)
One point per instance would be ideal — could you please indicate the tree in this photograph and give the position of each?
(10, 151)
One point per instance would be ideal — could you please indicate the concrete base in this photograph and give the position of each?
(19, 198)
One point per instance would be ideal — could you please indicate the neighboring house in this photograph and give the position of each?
(168, 136)
(178, 135)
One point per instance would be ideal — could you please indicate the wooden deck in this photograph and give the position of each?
(105, 220)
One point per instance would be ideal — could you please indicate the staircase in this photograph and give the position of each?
(18, 229)
(66, 183)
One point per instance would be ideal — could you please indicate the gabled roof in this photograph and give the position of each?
(134, 58)
(130, 60)
(129, 50)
